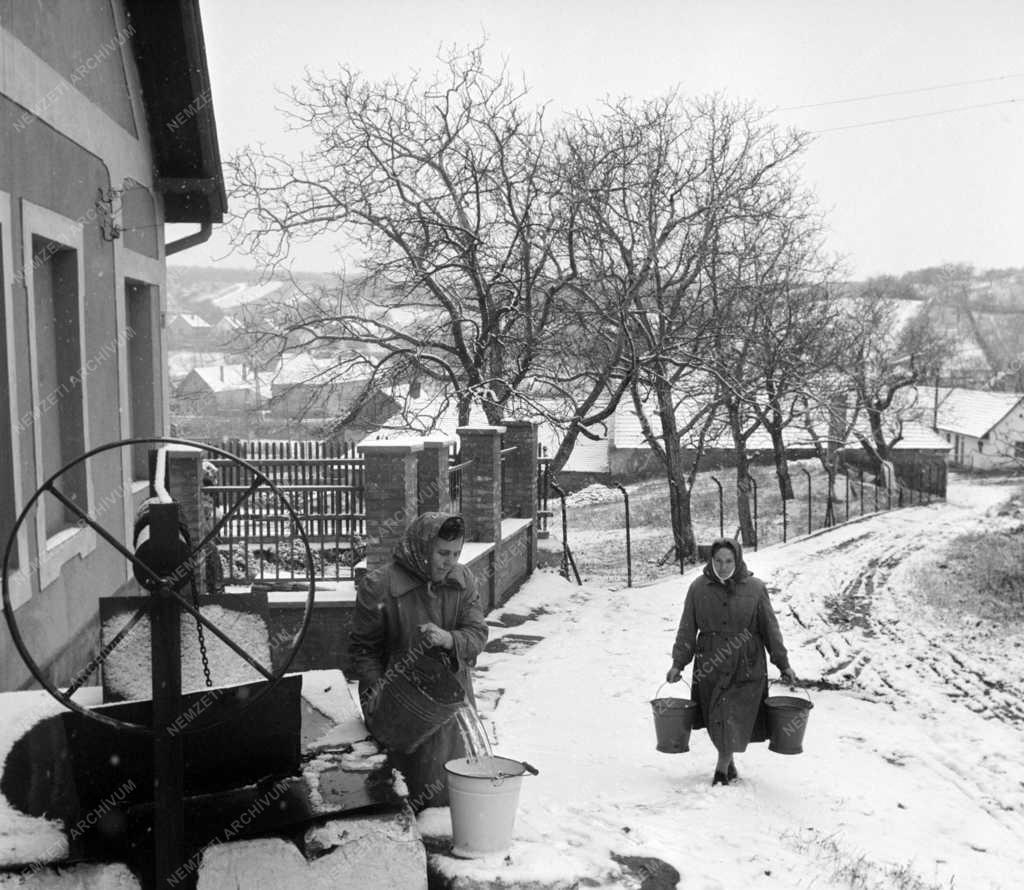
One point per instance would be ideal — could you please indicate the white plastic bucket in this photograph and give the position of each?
(483, 795)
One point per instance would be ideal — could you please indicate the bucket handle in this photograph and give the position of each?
(657, 694)
(498, 780)
(781, 682)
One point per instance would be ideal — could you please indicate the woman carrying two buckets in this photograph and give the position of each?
(726, 626)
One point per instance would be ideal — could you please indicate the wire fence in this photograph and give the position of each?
(601, 519)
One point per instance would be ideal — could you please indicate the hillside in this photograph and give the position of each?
(213, 291)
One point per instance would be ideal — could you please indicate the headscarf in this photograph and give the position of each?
(739, 573)
(414, 549)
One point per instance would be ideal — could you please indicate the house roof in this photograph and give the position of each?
(170, 54)
(300, 368)
(974, 412)
(228, 378)
(192, 320)
(919, 437)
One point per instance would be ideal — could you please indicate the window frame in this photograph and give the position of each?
(53, 552)
(18, 581)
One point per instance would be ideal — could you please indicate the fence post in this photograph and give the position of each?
(721, 507)
(521, 476)
(432, 494)
(810, 509)
(846, 499)
(543, 483)
(390, 477)
(753, 482)
(481, 497)
(785, 520)
(860, 485)
(629, 546)
(567, 558)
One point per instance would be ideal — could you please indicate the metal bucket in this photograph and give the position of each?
(416, 697)
(483, 794)
(673, 721)
(787, 722)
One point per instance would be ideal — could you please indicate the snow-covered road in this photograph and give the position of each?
(912, 775)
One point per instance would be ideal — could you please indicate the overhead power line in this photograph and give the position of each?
(910, 117)
(941, 86)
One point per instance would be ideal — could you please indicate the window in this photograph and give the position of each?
(58, 413)
(981, 445)
(142, 375)
(58, 417)
(1018, 450)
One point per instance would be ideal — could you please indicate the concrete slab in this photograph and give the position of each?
(77, 877)
(374, 852)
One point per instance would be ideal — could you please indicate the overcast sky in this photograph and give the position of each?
(945, 185)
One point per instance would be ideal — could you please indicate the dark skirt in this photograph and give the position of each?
(423, 768)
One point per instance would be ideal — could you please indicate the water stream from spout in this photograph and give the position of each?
(474, 736)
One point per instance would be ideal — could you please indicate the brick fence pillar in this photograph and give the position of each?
(481, 482)
(184, 482)
(521, 469)
(390, 481)
(432, 473)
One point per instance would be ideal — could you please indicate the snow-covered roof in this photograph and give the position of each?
(229, 323)
(919, 437)
(181, 362)
(228, 378)
(298, 368)
(974, 412)
(191, 319)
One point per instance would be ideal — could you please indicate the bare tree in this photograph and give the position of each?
(663, 180)
(888, 357)
(444, 185)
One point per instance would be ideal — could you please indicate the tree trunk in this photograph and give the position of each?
(678, 490)
(781, 463)
(747, 532)
(830, 498)
(464, 404)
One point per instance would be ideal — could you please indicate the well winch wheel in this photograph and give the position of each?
(170, 585)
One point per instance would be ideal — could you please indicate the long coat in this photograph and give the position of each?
(724, 629)
(393, 601)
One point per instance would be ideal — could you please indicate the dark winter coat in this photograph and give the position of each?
(725, 629)
(392, 602)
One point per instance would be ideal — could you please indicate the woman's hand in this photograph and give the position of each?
(674, 675)
(436, 636)
(789, 675)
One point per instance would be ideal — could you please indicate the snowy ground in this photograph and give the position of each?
(912, 774)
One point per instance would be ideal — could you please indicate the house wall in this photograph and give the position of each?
(995, 451)
(631, 464)
(71, 126)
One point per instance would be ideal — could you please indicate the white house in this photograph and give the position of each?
(985, 429)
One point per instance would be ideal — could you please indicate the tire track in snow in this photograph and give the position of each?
(873, 637)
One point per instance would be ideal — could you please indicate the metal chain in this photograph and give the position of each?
(199, 631)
